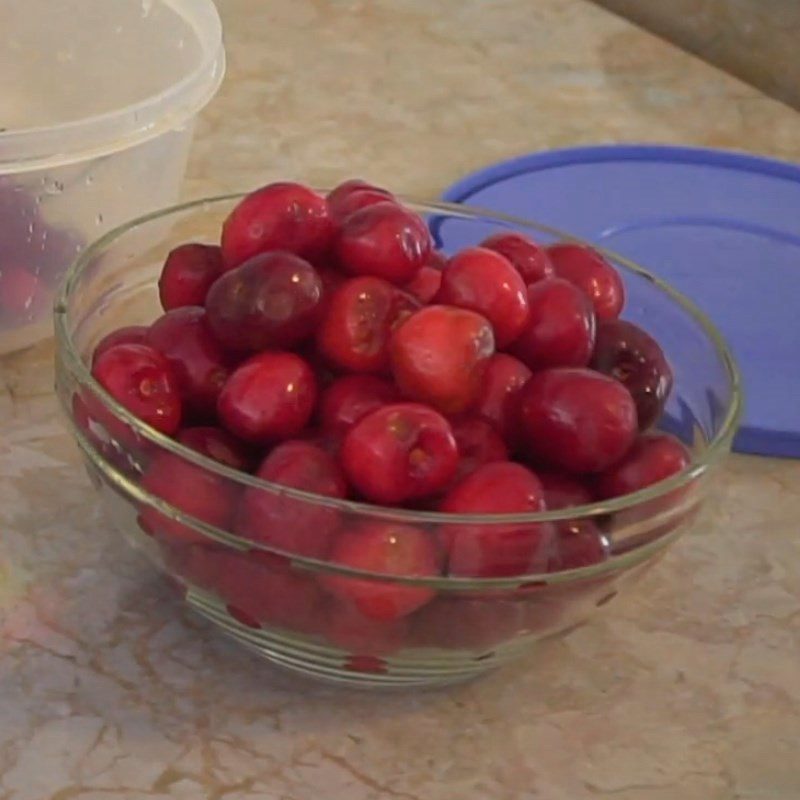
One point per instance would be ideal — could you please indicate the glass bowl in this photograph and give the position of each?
(99, 103)
(274, 599)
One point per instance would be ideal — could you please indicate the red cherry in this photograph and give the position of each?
(385, 240)
(478, 444)
(130, 334)
(217, 444)
(351, 397)
(258, 593)
(384, 548)
(141, 379)
(294, 526)
(563, 491)
(437, 259)
(577, 419)
(468, 623)
(271, 300)
(23, 295)
(353, 195)
(484, 281)
(269, 397)
(498, 395)
(350, 630)
(495, 550)
(580, 543)
(439, 356)
(591, 273)
(280, 216)
(561, 329)
(653, 457)
(400, 452)
(527, 257)
(626, 352)
(198, 362)
(195, 563)
(192, 490)
(425, 284)
(188, 274)
(360, 315)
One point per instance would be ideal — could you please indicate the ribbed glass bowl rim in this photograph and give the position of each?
(716, 448)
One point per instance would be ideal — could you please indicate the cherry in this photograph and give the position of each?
(353, 195)
(130, 334)
(653, 457)
(486, 550)
(385, 240)
(294, 526)
(400, 452)
(351, 397)
(190, 489)
(188, 274)
(331, 278)
(437, 259)
(280, 216)
(271, 300)
(349, 629)
(217, 444)
(257, 592)
(360, 315)
(142, 380)
(439, 356)
(591, 273)
(425, 284)
(486, 282)
(478, 444)
(498, 395)
(23, 295)
(462, 622)
(196, 563)
(385, 549)
(576, 419)
(270, 397)
(198, 362)
(626, 352)
(580, 543)
(563, 491)
(530, 260)
(561, 328)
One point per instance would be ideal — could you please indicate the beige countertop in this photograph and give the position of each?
(688, 689)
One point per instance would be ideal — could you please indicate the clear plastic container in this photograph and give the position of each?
(99, 103)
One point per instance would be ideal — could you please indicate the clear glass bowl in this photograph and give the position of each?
(99, 103)
(274, 600)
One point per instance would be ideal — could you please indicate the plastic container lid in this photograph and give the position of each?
(101, 75)
(722, 227)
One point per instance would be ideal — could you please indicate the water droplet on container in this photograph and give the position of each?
(52, 187)
(98, 220)
(147, 7)
(89, 180)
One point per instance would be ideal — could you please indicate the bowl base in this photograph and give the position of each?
(311, 657)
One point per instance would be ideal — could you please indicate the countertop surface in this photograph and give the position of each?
(688, 688)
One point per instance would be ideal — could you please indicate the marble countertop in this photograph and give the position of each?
(689, 688)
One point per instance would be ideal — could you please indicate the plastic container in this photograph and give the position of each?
(99, 102)
(275, 599)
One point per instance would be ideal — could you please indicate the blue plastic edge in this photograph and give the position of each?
(535, 162)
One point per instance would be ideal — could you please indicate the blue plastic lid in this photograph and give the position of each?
(723, 228)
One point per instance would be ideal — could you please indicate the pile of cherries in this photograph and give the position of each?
(325, 345)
